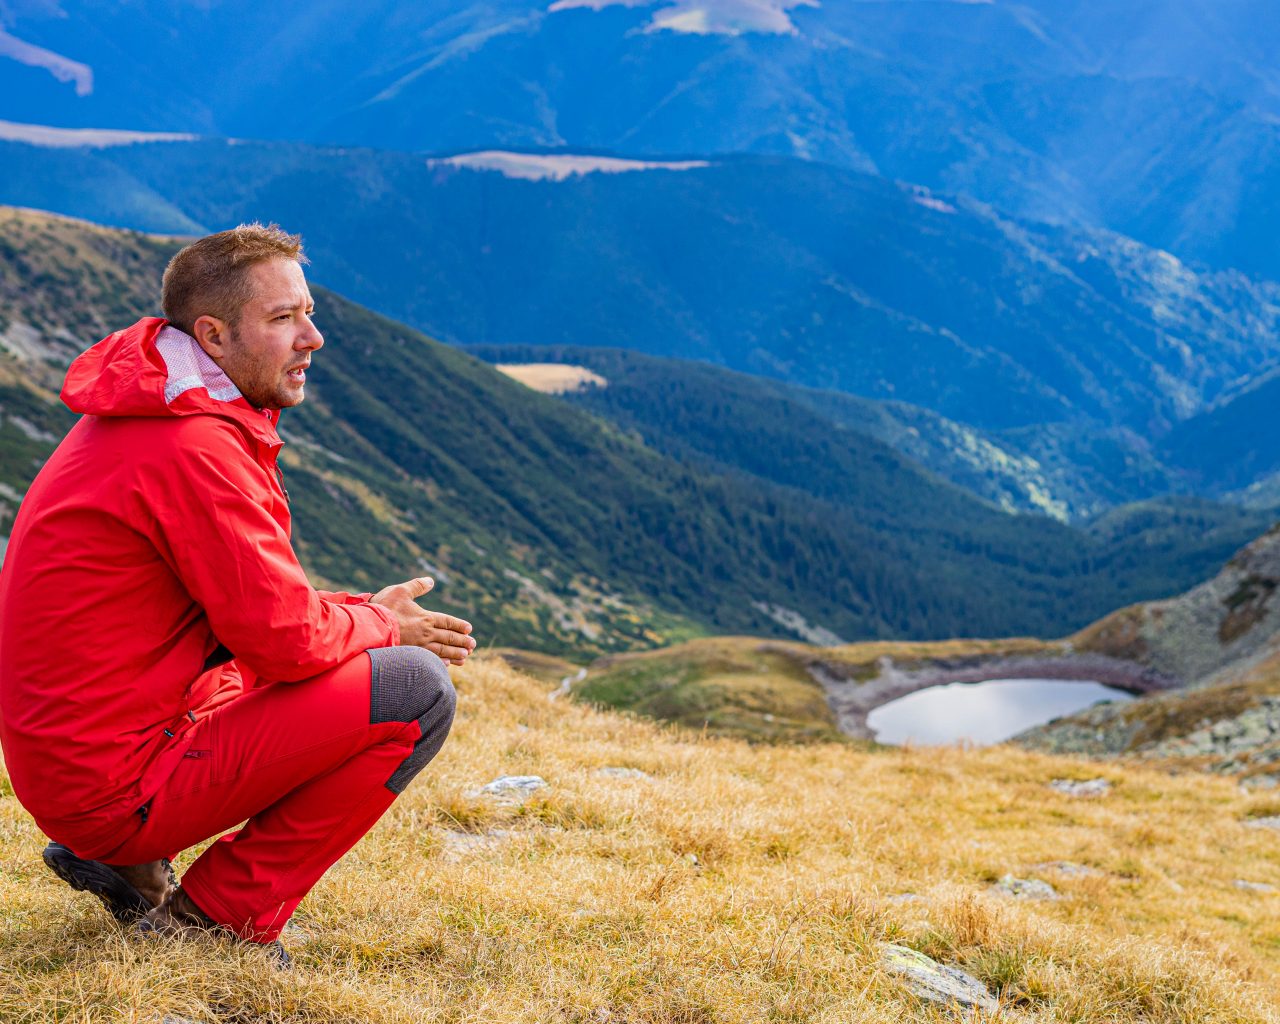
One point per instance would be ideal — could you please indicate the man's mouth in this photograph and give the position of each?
(298, 373)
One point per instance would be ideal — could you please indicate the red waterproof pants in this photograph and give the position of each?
(312, 765)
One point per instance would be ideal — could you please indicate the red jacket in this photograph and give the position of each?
(155, 539)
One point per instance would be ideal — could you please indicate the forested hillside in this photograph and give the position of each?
(553, 529)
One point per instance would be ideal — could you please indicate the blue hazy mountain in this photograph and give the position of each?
(1154, 118)
(796, 270)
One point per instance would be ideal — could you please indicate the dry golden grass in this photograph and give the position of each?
(736, 884)
(552, 378)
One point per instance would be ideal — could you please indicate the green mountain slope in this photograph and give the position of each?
(556, 530)
(1066, 471)
(1234, 443)
(793, 270)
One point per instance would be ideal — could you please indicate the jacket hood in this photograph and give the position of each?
(154, 369)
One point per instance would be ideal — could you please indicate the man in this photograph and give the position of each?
(166, 670)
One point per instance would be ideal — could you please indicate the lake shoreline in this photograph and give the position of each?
(852, 698)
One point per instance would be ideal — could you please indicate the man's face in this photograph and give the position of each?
(267, 353)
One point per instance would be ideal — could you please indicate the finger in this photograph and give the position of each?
(444, 621)
(419, 586)
(447, 652)
(446, 636)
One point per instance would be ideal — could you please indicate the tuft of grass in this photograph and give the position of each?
(731, 883)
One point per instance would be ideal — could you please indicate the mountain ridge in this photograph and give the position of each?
(554, 530)
(1158, 122)
(834, 279)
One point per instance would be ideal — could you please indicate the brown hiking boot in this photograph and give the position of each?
(178, 917)
(154, 880)
(127, 891)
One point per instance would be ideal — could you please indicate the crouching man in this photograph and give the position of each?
(166, 670)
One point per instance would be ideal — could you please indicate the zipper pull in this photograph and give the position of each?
(280, 477)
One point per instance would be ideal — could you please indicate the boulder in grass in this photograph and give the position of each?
(1068, 869)
(623, 773)
(1025, 889)
(934, 982)
(1088, 787)
(514, 787)
(457, 845)
(1247, 886)
(1270, 822)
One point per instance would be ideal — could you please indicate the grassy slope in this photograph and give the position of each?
(727, 686)
(738, 884)
(69, 281)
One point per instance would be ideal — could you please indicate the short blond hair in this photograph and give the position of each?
(210, 277)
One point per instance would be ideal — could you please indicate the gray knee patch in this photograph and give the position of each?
(405, 681)
(409, 684)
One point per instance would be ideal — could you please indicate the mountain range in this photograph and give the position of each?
(554, 528)
(1155, 118)
(1085, 345)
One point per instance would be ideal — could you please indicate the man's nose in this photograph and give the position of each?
(311, 339)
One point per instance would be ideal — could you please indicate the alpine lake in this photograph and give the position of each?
(980, 714)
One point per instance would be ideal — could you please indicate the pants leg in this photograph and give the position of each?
(312, 766)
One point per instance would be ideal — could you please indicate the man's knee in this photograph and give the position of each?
(409, 684)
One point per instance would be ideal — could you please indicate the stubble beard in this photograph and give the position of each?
(264, 387)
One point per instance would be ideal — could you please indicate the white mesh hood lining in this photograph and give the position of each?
(189, 366)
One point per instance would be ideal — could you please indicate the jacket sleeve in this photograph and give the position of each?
(210, 504)
(342, 597)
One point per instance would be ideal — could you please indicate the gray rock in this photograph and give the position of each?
(1091, 787)
(1260, 782)
(1272, 822)
(513, 787)
(457, 845)
(1254, 728)
(934, 982)
(1067, 869)
(623, 773)
(904, 897)
(1240, 883)
(1025, 889)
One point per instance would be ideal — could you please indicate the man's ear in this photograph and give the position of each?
(212, 335)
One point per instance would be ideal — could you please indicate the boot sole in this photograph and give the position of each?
(122, 900)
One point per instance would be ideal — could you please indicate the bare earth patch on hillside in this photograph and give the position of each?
(717, 882)
(552, 378)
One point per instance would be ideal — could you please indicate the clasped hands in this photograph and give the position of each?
(441, 634)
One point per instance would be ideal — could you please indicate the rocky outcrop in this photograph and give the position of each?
(1220, 642)
(1223, 626)
(1245, 733)
(1230, 728)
